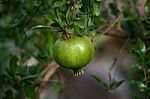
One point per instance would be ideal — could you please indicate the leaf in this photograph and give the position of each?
(41, 27)
(30, 92)
(68, 16)
(147, 9)
(76, 29)
(60, 18)
(58, 4)
(129, 13)
(92, 33)
(50, 19)
(115, 84)
(50, 43)
(146, 33)
(140, 46)
(80, 23)
(13, 65)
(100, 81)
(96, 9)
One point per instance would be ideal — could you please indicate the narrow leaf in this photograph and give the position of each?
(41, 27)
(100, 81)
(79, 23)
(115, 84)
(57, 4)
(12, 65)
(140, 46)
(96, 9)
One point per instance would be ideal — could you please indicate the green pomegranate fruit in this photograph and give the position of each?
(73, 53)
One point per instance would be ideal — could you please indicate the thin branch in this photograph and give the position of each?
(112, 24)
(119, 54)
(52, 69)
(118, 34)
(116, 59)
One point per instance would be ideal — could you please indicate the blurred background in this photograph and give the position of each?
(25, 53)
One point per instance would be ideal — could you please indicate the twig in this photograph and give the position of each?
(109, 74)
(52, 69)
(120, 52)
(110, 77)
(112, 24)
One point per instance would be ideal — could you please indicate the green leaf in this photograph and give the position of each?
(147, 9)
(50, 19)
(77, 29)
(129, 13)
(100, 81)
(115, 84)
(41, 27)
(146, 33)
(142, 86)
(50, 44)
(58, 4)
(139, 49)
(68, 16)
(92, 33)
(140, 46)
(30, 92)
(96, 7)
(60, 17)
(13, 65)
(80, 23)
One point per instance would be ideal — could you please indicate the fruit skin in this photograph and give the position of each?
(74, 53)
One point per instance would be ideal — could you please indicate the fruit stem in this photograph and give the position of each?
(78, 72)
(66, 36)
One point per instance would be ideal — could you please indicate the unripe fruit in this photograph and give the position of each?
(74, 53)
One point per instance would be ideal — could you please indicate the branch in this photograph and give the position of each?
(113, 32)
(115, 61)
(49, 73)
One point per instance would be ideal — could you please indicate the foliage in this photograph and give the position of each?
(30, 27)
